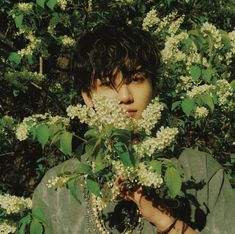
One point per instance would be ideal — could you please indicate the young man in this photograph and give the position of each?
(122, 63)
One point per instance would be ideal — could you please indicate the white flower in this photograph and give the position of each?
(31, 47)
(210, 29)
(13, 204)
(147, 177)
(223, 90)
(57, 181)
(63, 4)
(171, 51)
(150, 116)
(164, 137)
(201, 112)
(106, 111)
(7, 227)
(67, 41)
(22, 131)
(150, 20)
(197, 90)
(231, 36)
(25, 6)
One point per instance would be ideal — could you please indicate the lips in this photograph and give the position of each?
(131, 113)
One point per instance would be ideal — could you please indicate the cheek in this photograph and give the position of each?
(146, 94)
(107, 92)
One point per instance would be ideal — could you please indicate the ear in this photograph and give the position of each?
(87, 99)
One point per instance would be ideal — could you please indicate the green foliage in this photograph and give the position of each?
(188, 105)
(42, 133)
(32, 223)
(173, 181)
(35, 78)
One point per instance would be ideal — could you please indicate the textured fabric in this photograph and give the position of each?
(212, 202)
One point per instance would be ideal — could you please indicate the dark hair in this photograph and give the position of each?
(106, 48)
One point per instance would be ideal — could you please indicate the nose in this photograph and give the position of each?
(124, 94)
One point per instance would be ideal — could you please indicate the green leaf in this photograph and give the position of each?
(225, 38)
(99, 161)
(38, 213)
(51, 4)
(188, 105)
(30, 59)
(36, 227)
(233, 84)
(41, 3)
(91, 133)
(84, 168)
(124, 154)
(122, 135)
(66, 143)
(72, 186)
(207, 74)
(188, 43)
(14, 57)
(54, 129)
(173, 181)
(156, 166)
(175, 105)
(43, 134)
(93, 187)
(23, 223)
(208, 100)
(195, 72)
(19, 20)
(126, 159)
(79, 150)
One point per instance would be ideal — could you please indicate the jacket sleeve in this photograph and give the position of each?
(216, 196)
(62, 212)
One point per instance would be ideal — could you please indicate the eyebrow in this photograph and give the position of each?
(134, 71)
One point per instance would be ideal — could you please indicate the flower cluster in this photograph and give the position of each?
(150, 20)
(151, 115)
(223, 90)
(201, 112)
(171, 50)
(209, 29)
(34, 43)
(106, 111)
(197, 90)
(169, 22)
(148, 177)
(57, 181)
(62, 4)
(24, 6)
(67, 41)
(231, 36)
(13, 204)
(23, 129)
(164, 137)
(7, 227)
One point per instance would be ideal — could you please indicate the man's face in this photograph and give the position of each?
(134, 95)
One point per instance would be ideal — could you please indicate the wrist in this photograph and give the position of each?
(165, 229)
(162, 223)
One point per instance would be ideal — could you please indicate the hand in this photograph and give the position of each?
(158, 216)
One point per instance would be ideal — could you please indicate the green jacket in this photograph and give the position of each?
(212, 204)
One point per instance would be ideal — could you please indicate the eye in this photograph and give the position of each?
(138, 79)
(105, 83)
